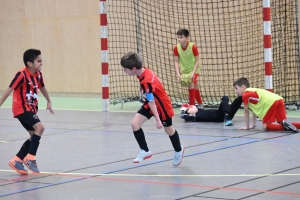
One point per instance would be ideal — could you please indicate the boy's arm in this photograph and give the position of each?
(5, 94)
(253, 120)
(153, 108)
(46, 95)
(246, 114)
(176, 62)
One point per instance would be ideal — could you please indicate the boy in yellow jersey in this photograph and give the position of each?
(186, 58)
(267, 106)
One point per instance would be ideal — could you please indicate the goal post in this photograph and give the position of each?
(231, 38)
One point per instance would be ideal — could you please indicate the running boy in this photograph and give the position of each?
(25, 85)
(224, 113)
(267, 106)
(186, 58)
(157, 103)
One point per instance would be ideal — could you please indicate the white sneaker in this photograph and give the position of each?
(143, 155)
(178, 157)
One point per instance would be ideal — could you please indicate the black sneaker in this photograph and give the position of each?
(200, 107)
(290, 127)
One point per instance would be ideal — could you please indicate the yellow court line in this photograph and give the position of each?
(162, 175)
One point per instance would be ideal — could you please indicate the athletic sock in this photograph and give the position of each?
(275, 127)
(198, 96)
(35, 141)
(17, 159)
(297, 124)
(175, 141)
(24, 150)
(140, 138)
(192, 96)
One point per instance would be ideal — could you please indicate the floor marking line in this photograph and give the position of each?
(161, 175)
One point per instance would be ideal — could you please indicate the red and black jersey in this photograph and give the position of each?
(25, 86)
(150, 83)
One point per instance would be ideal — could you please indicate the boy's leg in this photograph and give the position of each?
(297, 124)
(27, 120)
(280, 116)
(192, 96)
(222, 112)
(139, 119)
(197, 91)
(30, 160)
(273, 127)
(233, 108)
(175, 140)
(35, 128)
(16, 163)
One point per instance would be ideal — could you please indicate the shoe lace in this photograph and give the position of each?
(33, 162)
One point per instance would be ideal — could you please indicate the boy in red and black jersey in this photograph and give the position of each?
(157, 103)
(25, 85)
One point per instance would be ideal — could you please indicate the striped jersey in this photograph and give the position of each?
(150, 83)
(25, 86)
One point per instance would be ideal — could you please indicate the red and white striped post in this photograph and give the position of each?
(104, 55)
(267, 45)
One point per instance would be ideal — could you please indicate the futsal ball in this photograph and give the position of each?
(185, 79)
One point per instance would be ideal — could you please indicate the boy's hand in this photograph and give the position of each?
(159, 124)
(192, 75)
(178, 77)
(49, 107)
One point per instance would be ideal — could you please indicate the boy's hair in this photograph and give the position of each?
(30, 55)
(131, 60)
(242, 81)
(184, 32)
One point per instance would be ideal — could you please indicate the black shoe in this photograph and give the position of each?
(200, 107)
(289, 127)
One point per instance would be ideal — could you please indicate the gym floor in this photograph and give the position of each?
(87, 154)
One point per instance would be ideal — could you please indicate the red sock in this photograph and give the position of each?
(274, 127)
(297, 124)
(198, 96)
(192, 96)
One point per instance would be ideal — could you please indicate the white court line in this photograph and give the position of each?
(161, 175)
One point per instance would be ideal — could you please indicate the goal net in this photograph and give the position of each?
(229, 37)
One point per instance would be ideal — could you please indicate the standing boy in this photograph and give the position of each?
(224, 113)
(25, 85)
(157, 103)
(267, 106)
(186, 58)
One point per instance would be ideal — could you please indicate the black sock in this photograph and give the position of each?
(176, 141)
(140, 138)
(24, 150)
(35, 141)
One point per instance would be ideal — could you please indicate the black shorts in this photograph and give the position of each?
(28, 120)
(147, 113)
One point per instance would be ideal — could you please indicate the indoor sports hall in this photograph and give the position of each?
(88, 147)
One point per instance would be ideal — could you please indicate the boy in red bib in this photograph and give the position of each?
(186, 58)
(267, 106)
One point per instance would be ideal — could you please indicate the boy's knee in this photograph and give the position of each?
(225, 98)
(39, 129)
(135, 126)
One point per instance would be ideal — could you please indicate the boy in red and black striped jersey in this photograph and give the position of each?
(157, 103)
(25, 85)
